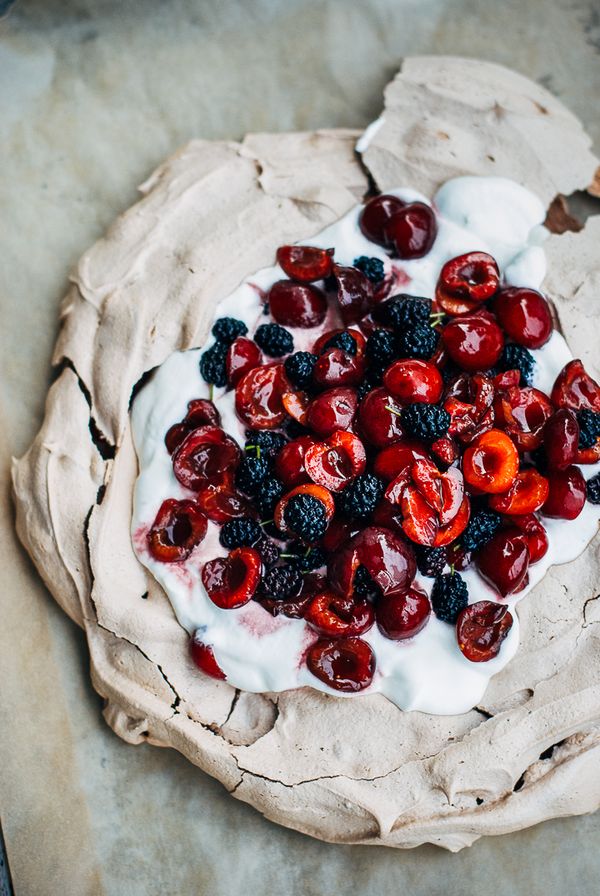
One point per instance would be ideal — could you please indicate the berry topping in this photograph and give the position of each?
(299, 368)
(179, 526)
(567, 494)
(239, 533)
(376, 215)
(403, 615)
(418, 341)
(575, 389)
(264, 443)
(589, 428)
(305, 263)
(371, 267)
(474, 342)
(491, 462)
(268, 550)
(343, 340)
(426, 422)
(306, 516)
(402, 312)
(242, 355)
(204, 658)
(382, 347)
(337, 461)
(258, 397)
(307, 559)
(562, 437)
(359, 499)
(469, 401)
(226, 329)
(593, 489)
(296, 405)
(364, 585)
(206, 453)
(251, 473)
(213, 368)
(268, 495)
(481, 628)
(467, 281)
(516, 357)
(524, 315)
(480, 528)
(414, 380)
(231, 581)
(354, 292)
(504, 561)
(388, 558)
(274, 340)
(449, 596)
(297, 305)
(339, 617)
(281, 582)
(430, 561)
(346, 665)
(412, 230)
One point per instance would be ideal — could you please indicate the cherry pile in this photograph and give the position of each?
(409, 437)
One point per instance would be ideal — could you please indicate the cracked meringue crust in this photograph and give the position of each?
(530, 750)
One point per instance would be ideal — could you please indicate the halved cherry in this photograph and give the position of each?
(379, 418)
(589, 455)
(474, 342)
(339, 531)
(403, 615)
(504, 560)
(297, 304)
(522, 413)
(336, 367)
(413, 380)
(469, 401)
(242, 356)
(567, 494)
(421, 522)
(289, 463)
(333, 409)
(305, 263)
(376, 215)
(466, 281)
(525, 316)
(347, 664)
(204, 658)
(527, 493)
(354, 292)
(321, 343)
(445, 449)
(231, 581)
(201, 412)
(537, 537)
(258, 396)
(204, 454)
(292, 607)
(491, 462)
(481, 628)
(337, 461)
(296, 405)
(316, 491)
(388, 558)
(561, 439)
(455, 527)
(339, 617)
(388, 516)
(390, 461)
(574, 388)
(221, 503)
(412, 230)
(178, 527)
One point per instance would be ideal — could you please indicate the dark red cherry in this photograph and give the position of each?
(296, 304)
(467, 281)
(526, 494)
(481, 628)
(561, 439)
(243, 355)
(537, 537)
(413, 380)
(337, 461)
(347, 664)
(504, 560)
(525, 316)
(339, 617)
(289, 463)
(221, 502)
(388, 558)
(231, 581)
(473, 342)
(354, 293)
(403, 615)
(412, 230)
(574, 388)
(179, 526)
(379, 418)
(333, 409)
(321, 343)
(336, 367)
(567, 494)
(204, 659)
(376, 215)
(258, 397)
(397, 457)
(304, 264)
(201, 412)
(205, 454)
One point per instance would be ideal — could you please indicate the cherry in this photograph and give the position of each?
(321, 343)
(445, 450)
(336, 367)
(469, 402)
(296, 405)
(537, 537)
(201, 412)
(412, 230)
(389, 560)
(205, 453)
(474, 342)
(304, 264)
(388, 516)
(204, 659)
(522, 413)
(376, 215)
(434, 509)
(345, 665)
(333, 409)
(242, 356)
(403, 615)
(525, 316)
(221, 503)
(575, 389)
(561, 439)
(339, 617)
(289, 463)
(466, 281)
(412, 380)
(527, 493)
(491, 462)
(397, 457)
(379, 418)
(504, 560)
(258, 397)
(231, 581)
(316, 491)
(338, 532)
(178, 527)
(481, 628)
(567, 494)
(589, 455)
(337, 461)
(354, 292)
(296, 304)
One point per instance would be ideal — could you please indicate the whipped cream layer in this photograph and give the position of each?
(258, 652)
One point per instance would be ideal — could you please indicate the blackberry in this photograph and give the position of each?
(242, 532)
(306, 517)
(589, 428)
(268, 550)
(449, 596)
(382, 347)
(372, 268)
(516, 357)
(343, 340)
(592, 488)
(426, 422)
(226, 329)
(251, 474)
(212, 365)
(372, 378)
(430, 561)
(267, 495)
(403, 312)
(359, 499)
(294, 429)
(306, 559)
(299, 369)
(450, 372)
(364, 585)
(281, 582)
(480, 529)
(274, 340)
(418, 341)
(264, 442)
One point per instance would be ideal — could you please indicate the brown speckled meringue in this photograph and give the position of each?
(352, 771)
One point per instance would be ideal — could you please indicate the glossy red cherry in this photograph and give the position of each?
(354, 293)
(525, 316)
(474, 342)
(561, 439)
(481, 628)
(345, 665)
(403, 615)
(221, 502)
(201, 412)
(339, 617)
(337, 461)
(434, 509)
(289, 463)
(388, 516)
(466, 281)
(528, 492)
(537, 537)
(574, 388)
(395, 458)
(567, 494)
(339, 531)
(305, 264)
(333, 409)
(379, 418)
(179, 526)
(445, 450)
(412, 230)
(243, 355)
(336, 367)
(297, 304)
(231, 581)
(376, 216)
(205, 453)
(469, 401)
(522, 413)
(413, 380)
(491, 462)
(388, 558)
(204, 659)
(504, 561)
(258, 397)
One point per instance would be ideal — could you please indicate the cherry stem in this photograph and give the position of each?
(392, 410)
